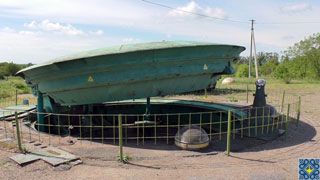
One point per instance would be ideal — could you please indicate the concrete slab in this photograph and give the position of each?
(51, 155)
(22, 159)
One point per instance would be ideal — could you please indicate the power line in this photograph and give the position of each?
(280, 23)
(229, 20)
(198, 14)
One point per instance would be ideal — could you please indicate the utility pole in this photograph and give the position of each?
(255, 55)
(252, 41)
(250, 57)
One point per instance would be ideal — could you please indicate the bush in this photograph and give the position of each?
(2, 75)
(283, 72)
(21, 86)
(243, 70)
(4, 94)
(10, 69)
(267, 68)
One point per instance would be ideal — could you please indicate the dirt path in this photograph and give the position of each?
(277, 159)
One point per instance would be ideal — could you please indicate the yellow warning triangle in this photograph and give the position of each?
(205, 67)
(90, 79)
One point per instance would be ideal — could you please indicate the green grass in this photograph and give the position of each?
(275, 83)
(8, 89)
(2, 163)
(7, 146)
(13, 84)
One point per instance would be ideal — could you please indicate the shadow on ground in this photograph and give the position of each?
(296, 135)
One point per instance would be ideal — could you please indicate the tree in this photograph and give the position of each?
(304, 57)
(243, 70)
(267, 68)
(11, 69)
(314, 57)
(282, 72)
(264, 57)
(2, 75)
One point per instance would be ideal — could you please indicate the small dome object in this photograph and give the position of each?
(228, 80)
(192, 138)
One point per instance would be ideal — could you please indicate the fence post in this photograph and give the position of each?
(16, 97)
(120, 137)
(298, 113)
(282, 100)
(287, 121)
(18, 132)
(229, 133)
(247, 94)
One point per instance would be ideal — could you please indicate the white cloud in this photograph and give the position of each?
(98, 32)
(27, 32)
(130, 40)
(193, 7)
(144, 22)
(7, 29)
(296, 7)
(46, 25)
(29, 46)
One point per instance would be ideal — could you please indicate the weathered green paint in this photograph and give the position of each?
(9, 111)
(40, 111)
(132, 71)
(196, 104)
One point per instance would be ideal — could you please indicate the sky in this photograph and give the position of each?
(35, 31)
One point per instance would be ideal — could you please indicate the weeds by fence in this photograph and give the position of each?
(13, 98)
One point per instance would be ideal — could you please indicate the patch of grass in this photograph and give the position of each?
(2, 163)
(13, 84)
(7, 146)
(233, 99)
(274, 83)
(126, 158)
(9, 88)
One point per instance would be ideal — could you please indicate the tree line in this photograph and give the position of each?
(300, 61)
(10, 69)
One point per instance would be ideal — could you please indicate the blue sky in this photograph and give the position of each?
(37, 31)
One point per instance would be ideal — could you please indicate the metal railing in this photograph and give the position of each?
(122, 129)
(232, 123)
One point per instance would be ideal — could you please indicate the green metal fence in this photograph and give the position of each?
(114, 129)
(133, 128)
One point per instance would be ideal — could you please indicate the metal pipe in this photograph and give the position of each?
(298, 113)
(148, 109)
(18, 133)
(287, 122)
(229, 133)
(120, 137)
(40, 111)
